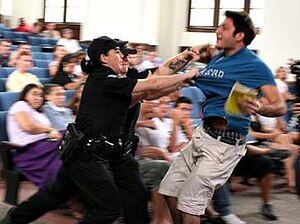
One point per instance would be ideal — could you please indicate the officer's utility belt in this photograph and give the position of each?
(70, 146)
(101, 147)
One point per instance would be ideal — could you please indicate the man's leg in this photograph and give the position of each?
(176, 214)
(44, 200)
(190, 219)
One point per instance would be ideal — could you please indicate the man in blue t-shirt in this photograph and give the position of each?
(217, 146)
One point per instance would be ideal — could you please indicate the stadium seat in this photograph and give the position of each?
(40, 72)
(35, 41)
(2, 84)
(7, 99)
(3, 134)
(42, 56)
(41, 63)
(5, 71)
(36, 49)
(45, 80)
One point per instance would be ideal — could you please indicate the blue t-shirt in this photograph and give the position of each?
(217, 79)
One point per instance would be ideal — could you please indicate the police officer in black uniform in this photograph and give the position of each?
(103, 170)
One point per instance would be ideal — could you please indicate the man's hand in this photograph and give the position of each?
(204, 53)
(249, 105)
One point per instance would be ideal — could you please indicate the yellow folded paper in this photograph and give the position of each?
(238, 91)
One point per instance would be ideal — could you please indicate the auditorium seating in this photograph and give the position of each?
(2, 84)
(42, 56)
(40, 63)
(12, 176)
(7, 99)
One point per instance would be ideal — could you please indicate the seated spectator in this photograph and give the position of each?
(19, 78)
(24, 46)
(65, 75)
(271, 132)
(153, 161)
(296, 111)
(151, 61)
(23, 26)
(55, 108)
(79, 55)
(135, 62)
(75, 100)
(71, 45)
(182, 128)
(5, 45)
(293, 125)
(58, 53)
(257, 164)
(281, 75)
(30, 128)
(37, 30)
(50, 31)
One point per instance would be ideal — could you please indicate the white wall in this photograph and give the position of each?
(31, 10)
(281, 36)
(132, 20)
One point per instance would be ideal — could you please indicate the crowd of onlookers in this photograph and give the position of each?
(39, 118)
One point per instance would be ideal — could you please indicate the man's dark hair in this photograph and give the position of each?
(242, 23)
(182, 99)
(48, 88)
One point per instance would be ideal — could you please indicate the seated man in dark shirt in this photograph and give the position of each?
(65, 75)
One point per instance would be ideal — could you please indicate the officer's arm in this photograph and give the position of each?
(176, 63)
(158, 83)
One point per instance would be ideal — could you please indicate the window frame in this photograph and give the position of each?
(210, 29)
(64, 13)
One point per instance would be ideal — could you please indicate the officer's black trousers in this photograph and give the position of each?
(107, 188)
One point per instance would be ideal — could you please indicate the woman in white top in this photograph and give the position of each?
(30, 128)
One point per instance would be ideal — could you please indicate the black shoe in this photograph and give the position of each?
(268, 212)
(7, 218)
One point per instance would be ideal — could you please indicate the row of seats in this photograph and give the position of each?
(8, 98)
(39, 72)
(18, 37)
(32, 49)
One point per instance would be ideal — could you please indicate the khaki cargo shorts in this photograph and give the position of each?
(203, 166)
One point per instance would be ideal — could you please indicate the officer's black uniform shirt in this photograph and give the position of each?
(104, 104)
(133, 113)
